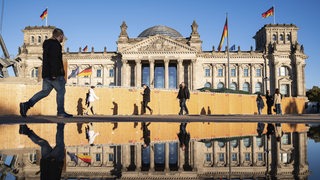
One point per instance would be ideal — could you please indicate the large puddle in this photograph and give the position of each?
(164, 150)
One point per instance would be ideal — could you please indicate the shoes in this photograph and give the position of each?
(64, 115)
(151, 111)
(24, 109)
(23, 129)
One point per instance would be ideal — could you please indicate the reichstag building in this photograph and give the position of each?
(162, 58)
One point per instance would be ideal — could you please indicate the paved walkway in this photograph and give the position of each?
(305, 118)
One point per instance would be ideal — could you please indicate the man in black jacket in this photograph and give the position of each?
(52, 74)
(52, 159)
(146, 99)
(183, 95)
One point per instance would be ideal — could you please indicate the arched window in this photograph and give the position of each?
(258, 87)
(34, 72)
(45, 37)
(39, 39)
(247, 142)
(32, 39)
(234, 143)
(221, 144)
(283, 71)
(220, 85)
(207, 85)
(233, 86)
(281, 37)
(274, 37)
(245, 87)
(259, 141)
(288, 37)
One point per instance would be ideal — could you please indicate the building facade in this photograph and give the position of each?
(162, 58)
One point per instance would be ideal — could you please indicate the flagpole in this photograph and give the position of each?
(228, 84)
(274, 15)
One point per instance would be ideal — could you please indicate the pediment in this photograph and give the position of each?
(158, 44)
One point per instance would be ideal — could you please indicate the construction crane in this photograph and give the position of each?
(6, 62)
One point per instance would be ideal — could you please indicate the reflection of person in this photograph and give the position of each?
(90, 101)
(278, 131)
(146, 99)
(260, 103)
(91, 135)
(183, 95)
(277, 101)
(260, 128)
(145, 134)
(52, 159)
(269, 102)
(52, 74)
(183, 136)
(270, 130)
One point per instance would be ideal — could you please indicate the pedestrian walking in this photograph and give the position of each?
(183, 95)
(52, 75)
(277, 101)
(91, 97)
(91, 135)
(269, 102)
(52, 158)
(145, 134)
(146, 99)
(260, 104)
(183, 136)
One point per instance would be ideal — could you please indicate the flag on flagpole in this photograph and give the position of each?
(233, 48)
(74, 73)
(86, 72)
(224, 34)
(85, 158)
(85, 49)
(44, 14)
(73, 157)
(269, 12)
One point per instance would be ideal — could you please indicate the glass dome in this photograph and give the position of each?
(163, 30)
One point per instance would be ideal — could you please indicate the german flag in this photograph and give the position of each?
(85, 49)
(86, 72)
(44, 14)
(224, 34)
(85, 158)
(268, 13)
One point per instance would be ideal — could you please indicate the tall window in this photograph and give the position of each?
(258, 87)
(39, 39)
(233, 72)
(259, 141)
(234, 157)
(260, 157)
(99, 73)
(247, 156)
(285, 139)
(220, 72)
(233, 86)
(245, 72)
(208, 157)
(220, 85)
(283, 71)
(245, 87)
(258, 72)
(288, 37)
(34, 72)
(274, 37)
(281, 37)
(284, 89)
(98, 157)
(32, 39)
(207, 72)
(111, 73)
(221, 157)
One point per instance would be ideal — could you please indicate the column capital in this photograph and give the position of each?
(193, 60)
(138, 61)
(151, 61)
(180, 61)
(124, 61)
(166, 60)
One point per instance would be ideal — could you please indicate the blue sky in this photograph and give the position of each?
(97, 22)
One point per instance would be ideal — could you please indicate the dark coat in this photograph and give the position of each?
(183, 93)
(269, 100)
(50, 169)
(146, 94)
(52, 65)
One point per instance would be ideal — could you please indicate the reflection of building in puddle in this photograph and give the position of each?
(215, 151)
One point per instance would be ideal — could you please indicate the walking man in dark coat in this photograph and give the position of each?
(269, 102)
(146, 99)
(52, 159)
(183, 95)
(145, 134)
(52, 75)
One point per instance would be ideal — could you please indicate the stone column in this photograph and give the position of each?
(251, 79)
(138, 73)
(124, 73)
(194, 73)
(166, 73)
(167, 157)
(151, 158)
(125, 156)
(138, 156)
(151, 61)
(180, 71)
(276, 69)
(213, 72)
